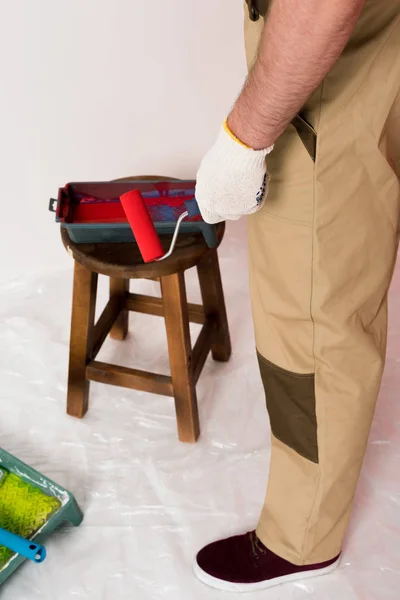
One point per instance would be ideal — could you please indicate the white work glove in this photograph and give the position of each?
(232, 180)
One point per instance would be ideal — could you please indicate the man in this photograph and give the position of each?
(323, 238)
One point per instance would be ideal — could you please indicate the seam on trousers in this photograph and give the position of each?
(317, 487)
(284, 371)
(284, 442)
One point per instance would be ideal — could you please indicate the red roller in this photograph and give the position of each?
(142, 226)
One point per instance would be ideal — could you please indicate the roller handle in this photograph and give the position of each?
(20, 545)
(192, 210)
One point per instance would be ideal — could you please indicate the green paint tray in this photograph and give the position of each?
(31, 506)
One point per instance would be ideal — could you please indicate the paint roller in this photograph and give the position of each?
(143, 227)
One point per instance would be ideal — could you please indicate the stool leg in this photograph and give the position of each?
(119, 288)
(82, 324)
(214, 304)
(180, 356)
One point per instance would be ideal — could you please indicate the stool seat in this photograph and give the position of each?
(122, 262)
(124, 259)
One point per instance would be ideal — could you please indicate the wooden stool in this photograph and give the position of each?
(122, 262)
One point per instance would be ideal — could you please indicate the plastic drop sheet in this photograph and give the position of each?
(151, 502)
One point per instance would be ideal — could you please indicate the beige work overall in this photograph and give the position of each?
(322, 253)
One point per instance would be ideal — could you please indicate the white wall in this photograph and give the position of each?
(99, 89)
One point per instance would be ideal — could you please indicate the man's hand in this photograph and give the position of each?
(232, 180)
(300, 44)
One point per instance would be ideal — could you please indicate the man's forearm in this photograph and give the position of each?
(301, 41)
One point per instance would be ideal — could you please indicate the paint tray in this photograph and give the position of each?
(93, 213)
(32, 506)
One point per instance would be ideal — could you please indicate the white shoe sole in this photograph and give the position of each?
(228, 586)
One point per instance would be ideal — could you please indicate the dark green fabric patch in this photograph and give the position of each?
(291, 406)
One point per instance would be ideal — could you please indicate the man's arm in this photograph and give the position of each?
(301, 41)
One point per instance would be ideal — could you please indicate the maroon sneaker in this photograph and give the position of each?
(244, 564)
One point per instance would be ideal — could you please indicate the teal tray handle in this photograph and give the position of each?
(20, 545)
